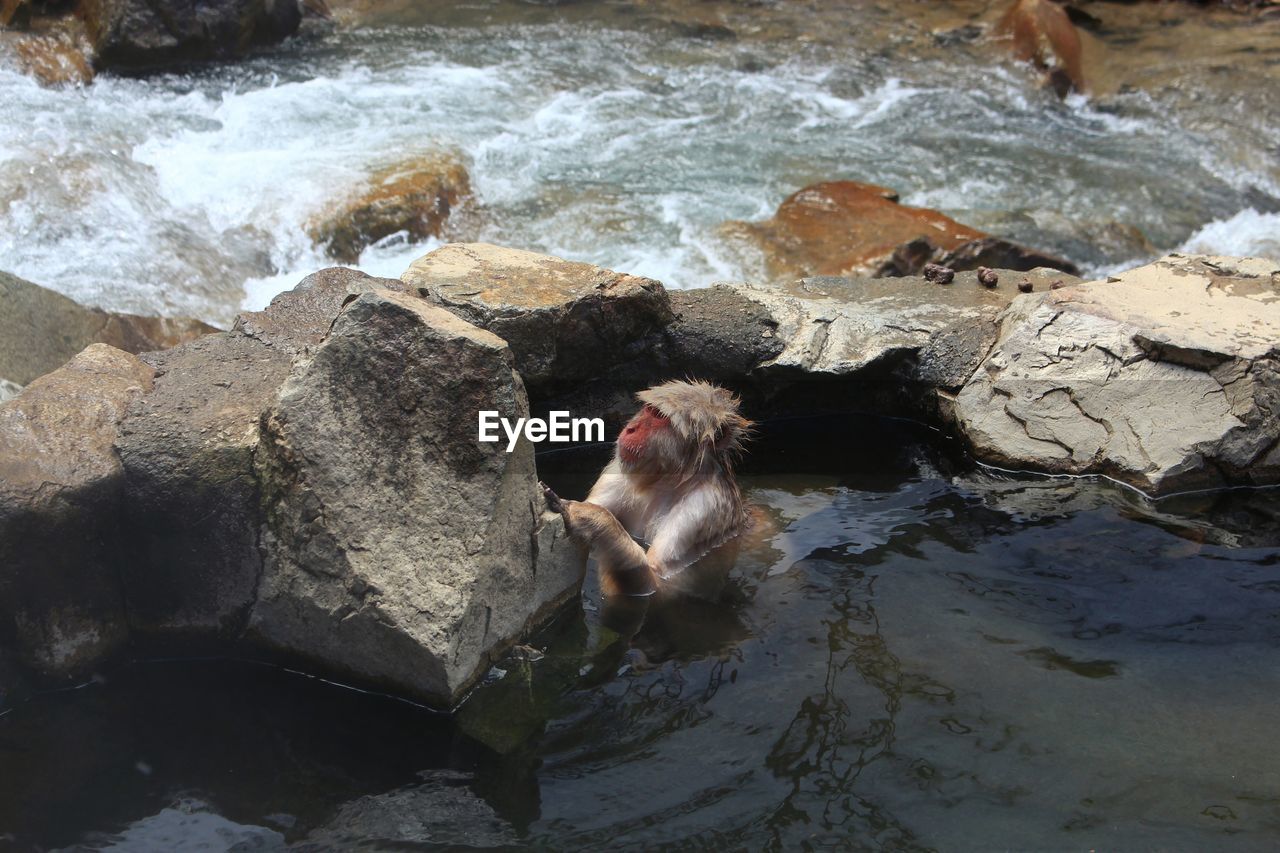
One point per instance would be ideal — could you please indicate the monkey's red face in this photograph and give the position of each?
(641, 432)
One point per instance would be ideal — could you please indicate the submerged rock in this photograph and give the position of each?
(565, 321)
(41, 329)
(849, 228)
(1041, 32)
(61, 606)
(414, 197)
(150, 34)
(1165, 377)
(398, 548)
(55, 55)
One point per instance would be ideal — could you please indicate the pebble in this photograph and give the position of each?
(988, 277)
(1026, 286)
(1057, 284)
(938, 273)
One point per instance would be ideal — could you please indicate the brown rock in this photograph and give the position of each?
(1025, 286)
(850, 228)
(60, 487)
(56, 56)
(416, 197)
(40, 330)
(988, 277)
(938, 273)
(1042, 33)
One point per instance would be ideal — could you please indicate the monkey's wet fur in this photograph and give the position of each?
(670, 484)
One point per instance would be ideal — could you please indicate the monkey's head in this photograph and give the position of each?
(683, 427)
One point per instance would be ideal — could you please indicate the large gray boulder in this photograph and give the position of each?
(40, 330)
(1164, 377)
(565, 321)
(310, 481)
(399, 548)
(193, 500)
(61, 610)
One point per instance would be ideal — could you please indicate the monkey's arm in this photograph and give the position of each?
(624, 566)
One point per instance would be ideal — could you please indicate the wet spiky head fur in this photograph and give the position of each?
(703, 414)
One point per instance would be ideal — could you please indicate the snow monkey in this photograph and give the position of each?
(670, 484)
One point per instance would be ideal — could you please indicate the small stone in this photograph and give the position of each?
(1025, 286)
(1057, 284)
(988, 277)
(938, 273)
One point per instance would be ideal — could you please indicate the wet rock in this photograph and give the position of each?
(141, 34)
(398, 548)
(60, 482)
(1165, 377)
(57, 55)
(565, 321)
(1041, 32)
(414, 197)
(938, 273)
(848, 228)
(14, 13)
(40, 330)
(442, 812)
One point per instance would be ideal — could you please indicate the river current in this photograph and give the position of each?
(620, 145)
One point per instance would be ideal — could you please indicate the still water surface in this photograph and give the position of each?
(920, 655)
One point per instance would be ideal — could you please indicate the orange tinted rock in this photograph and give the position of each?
(1042, 34)
(415, 197)
(55, 56)
(851, 228)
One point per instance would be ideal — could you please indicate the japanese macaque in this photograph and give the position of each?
(670, 484)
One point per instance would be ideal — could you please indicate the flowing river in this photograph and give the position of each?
(600, 138)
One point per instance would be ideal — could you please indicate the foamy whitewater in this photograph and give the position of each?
(189, 193)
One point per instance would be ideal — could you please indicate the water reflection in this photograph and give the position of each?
(920, 655)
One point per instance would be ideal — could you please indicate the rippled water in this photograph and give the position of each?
(918, 655)
(623, 146)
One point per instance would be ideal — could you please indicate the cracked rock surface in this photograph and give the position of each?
(913, 331)
(1165, 377)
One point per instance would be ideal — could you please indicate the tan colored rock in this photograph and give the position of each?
(40, 330)
(60, 484)
(399, 549)
(565, 321)
(928, 337)
(415, 197)
(1041, 33)
(1165, 377)
(55, 56)
(846, 228)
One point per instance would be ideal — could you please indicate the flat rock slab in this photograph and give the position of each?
(1165, 377)
(60, 484)
(565, 321)
(847, 328)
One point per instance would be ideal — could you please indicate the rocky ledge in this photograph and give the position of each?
(310, 485)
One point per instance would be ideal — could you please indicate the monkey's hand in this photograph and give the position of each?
(554, 503)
